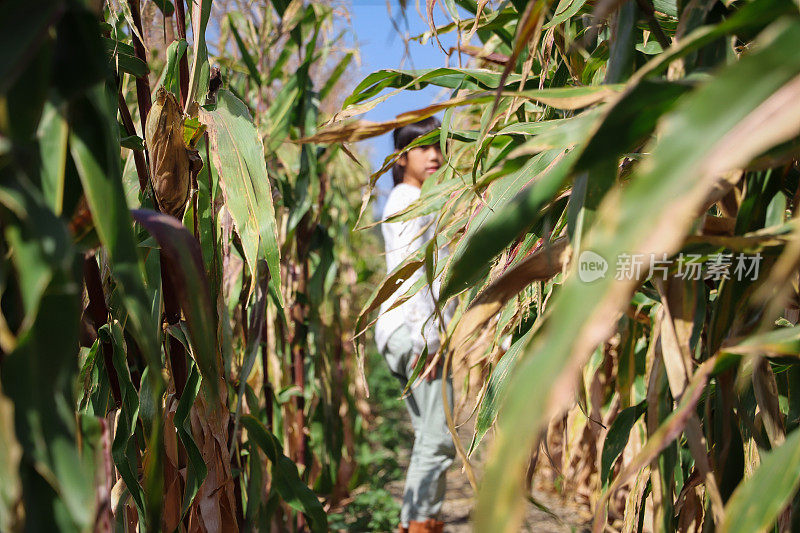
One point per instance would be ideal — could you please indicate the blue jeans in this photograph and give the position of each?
(433, 450)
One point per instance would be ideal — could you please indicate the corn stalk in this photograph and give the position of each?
(149, 206)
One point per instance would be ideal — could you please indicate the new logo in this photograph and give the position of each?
(591, 266)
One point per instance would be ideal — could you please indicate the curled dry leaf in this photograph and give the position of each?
(339, 131)
(542, 264)
(214, 508)
(633, 502)
(677, 320)
(667, 432)
(172, 164)
(480, 54)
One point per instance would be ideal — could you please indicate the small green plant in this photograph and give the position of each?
(378, 456)
(373, 510)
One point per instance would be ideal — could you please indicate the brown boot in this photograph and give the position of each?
(428, 526)
(402, 529)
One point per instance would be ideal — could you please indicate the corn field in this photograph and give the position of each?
(183, 209)
(177, 283)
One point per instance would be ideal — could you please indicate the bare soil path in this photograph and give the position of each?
(569, 516)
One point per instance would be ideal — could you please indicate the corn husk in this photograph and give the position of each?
(172, 163)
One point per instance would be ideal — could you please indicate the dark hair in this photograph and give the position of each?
(405, 134)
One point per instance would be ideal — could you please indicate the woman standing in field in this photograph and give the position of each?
(410, 330)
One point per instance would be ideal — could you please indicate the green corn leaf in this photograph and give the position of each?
(782, 341)
(200, 70)
(97, 160)
(180, 252)
(238, 155)
(170, 76)
(631, 118)
(39, 243)
(336, 75)
(21, 25)
(132, 142)
(544, 135)
(617, 439)
(752, 16)
(53, 133)
(252, 68)
(501, 194)
(419, 366)
(280, 113)
(757, 503)
(39, 371)
(165, 6)
(129, 64)
(124, 449)
(196, 470)
(565, 10)
(416, 79)
(496, 390)
(501, 226)
(94, 146)
(285, 477)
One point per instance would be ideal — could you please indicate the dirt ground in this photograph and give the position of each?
(569, 516)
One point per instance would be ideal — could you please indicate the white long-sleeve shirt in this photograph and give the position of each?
(418, 313)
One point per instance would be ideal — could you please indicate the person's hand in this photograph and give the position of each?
(434, 373)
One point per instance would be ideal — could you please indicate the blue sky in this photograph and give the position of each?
(380, 48)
